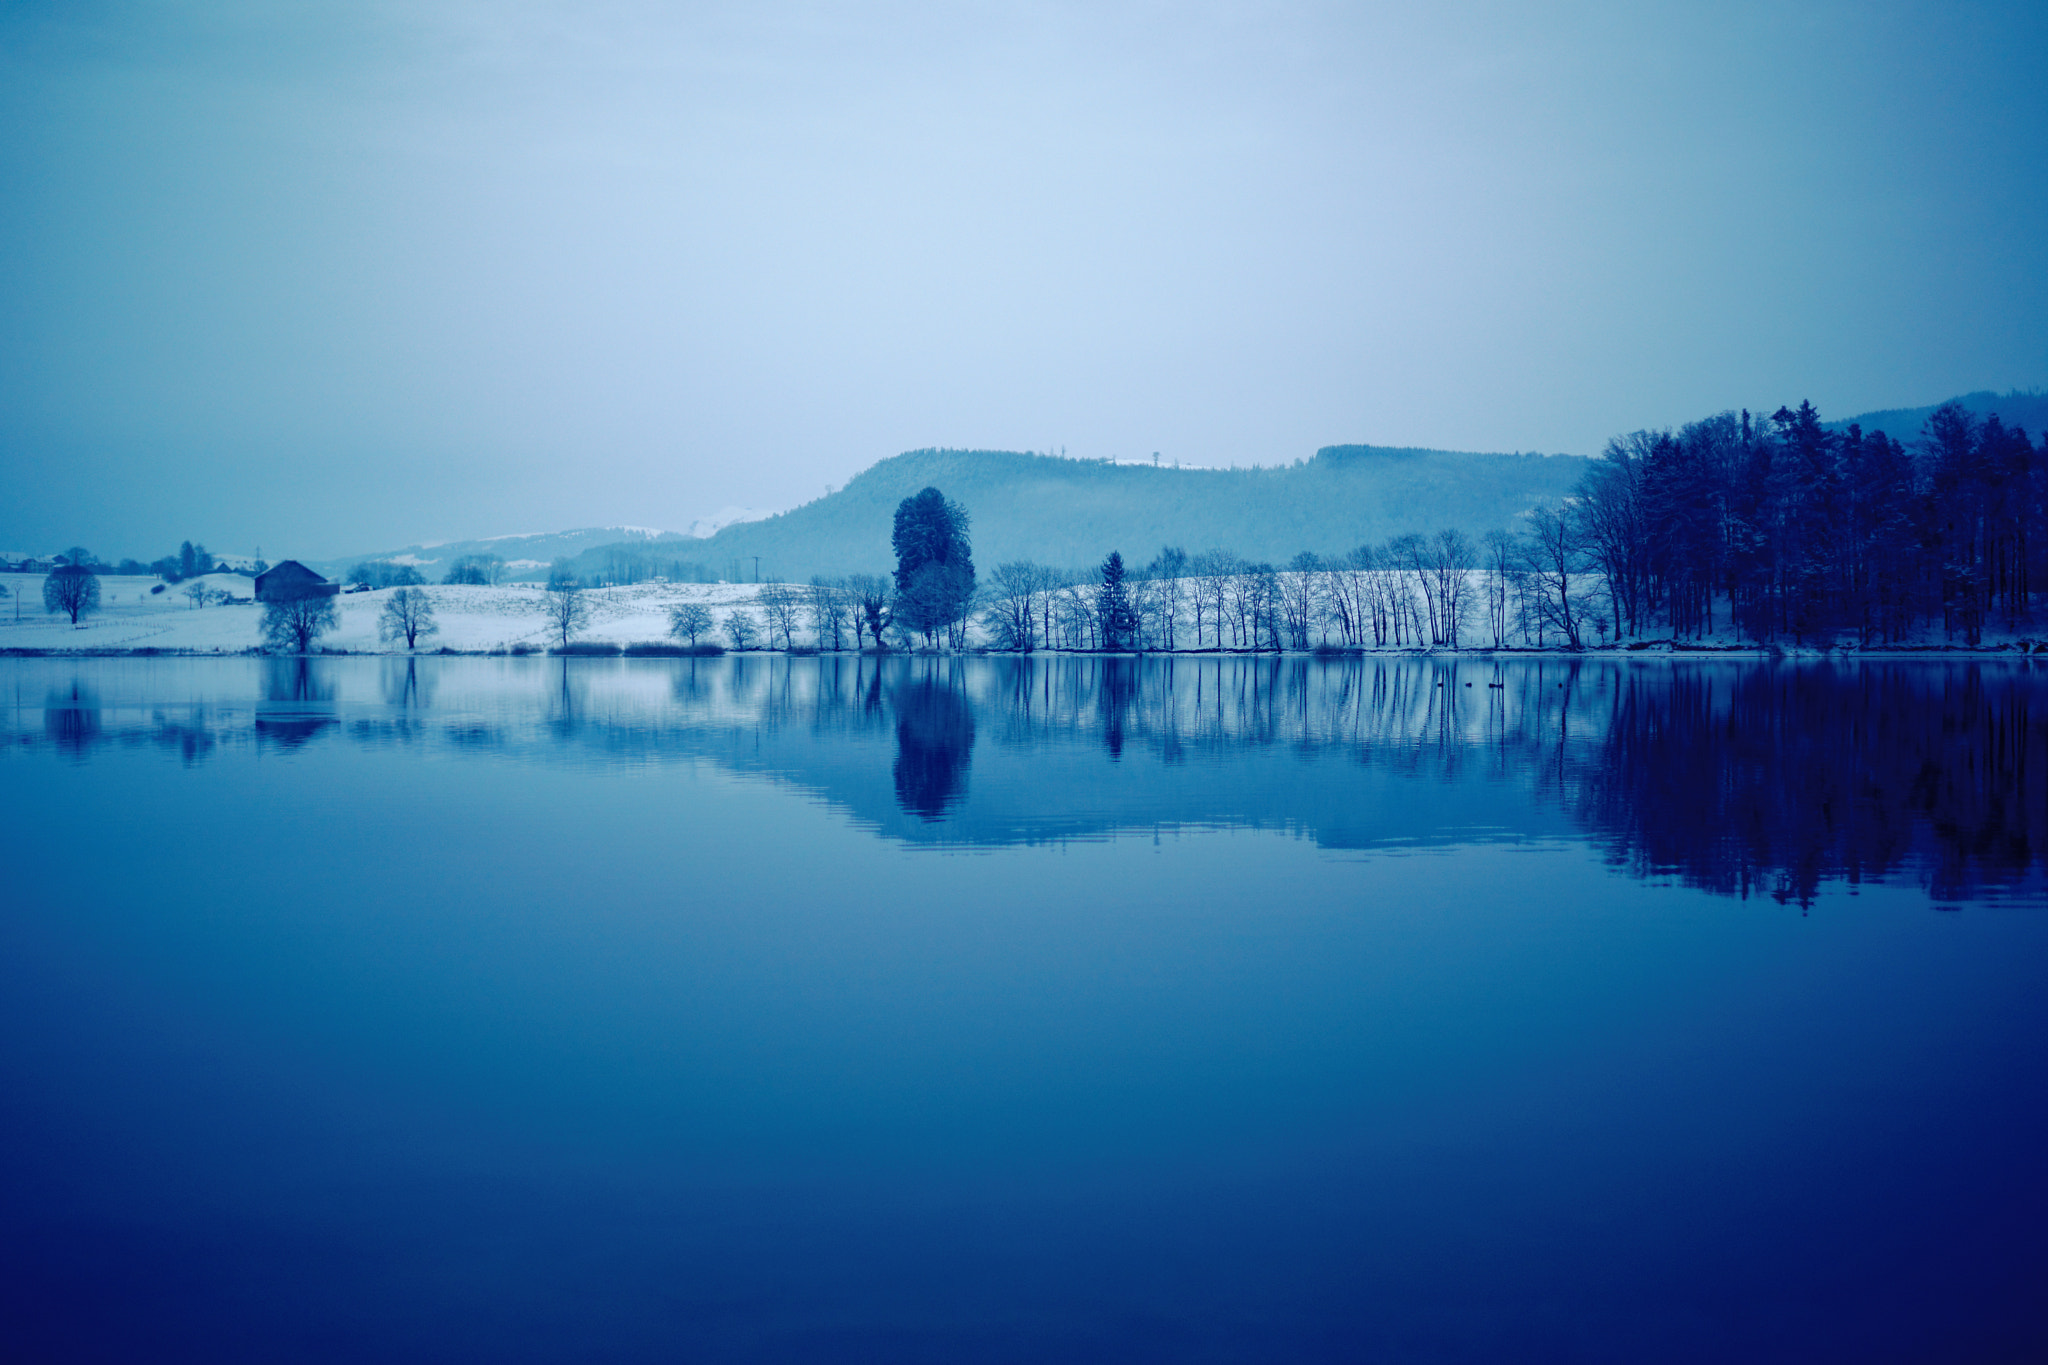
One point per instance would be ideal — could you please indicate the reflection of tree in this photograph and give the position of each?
(1120, 690)
(72, 720)
(1738, 778)
(1776, 780)
(191, 737)
(406, 686)
(565, 700)
(298, 701)
(688, 682)
(934, 743)
(295, 680)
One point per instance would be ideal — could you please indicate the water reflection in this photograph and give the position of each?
(407, 686)
(1740, 778)
(934, 745)
(298, 702)
(1781, 779)
(71, 720)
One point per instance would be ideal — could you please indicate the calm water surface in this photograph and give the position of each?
(828, 1009)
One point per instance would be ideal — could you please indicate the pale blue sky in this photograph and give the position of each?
(327, 277)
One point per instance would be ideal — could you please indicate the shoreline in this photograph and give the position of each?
(1660, 649)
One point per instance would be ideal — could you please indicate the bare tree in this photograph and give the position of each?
(871, 598)
(1300, 596)
(292, 625)
(563, 606)
(72, 589)
(1078, 621)
(1148, 613)
(742, 629)
(782, 605)
(1011, 616)
(197, 593)
(408, 614)
(1557, 573)
(1263, 596)
(1609, 509)
(1498, 555)
(1168, 569)
(688, 621)
(1450, 564)
(1241, 583)
(1215, 569)
(829, 610)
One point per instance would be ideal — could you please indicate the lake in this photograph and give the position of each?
(922, 1009)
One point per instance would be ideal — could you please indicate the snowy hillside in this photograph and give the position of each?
(528, 554)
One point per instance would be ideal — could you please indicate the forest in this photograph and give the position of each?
(1789, 531)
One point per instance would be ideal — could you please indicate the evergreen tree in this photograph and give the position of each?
(934, 564)
(1117, 621)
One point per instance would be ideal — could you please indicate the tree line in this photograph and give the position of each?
(1779, 529)
(192, 560)
(1786, 530)
(1774, 530)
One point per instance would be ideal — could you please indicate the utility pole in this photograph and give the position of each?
(757, 568)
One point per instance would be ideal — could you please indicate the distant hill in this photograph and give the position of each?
(2020, 408)
(528, 556)
(1073, 512)
(524, 553)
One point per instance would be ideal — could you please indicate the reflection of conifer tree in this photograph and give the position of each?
(934, 744)
(1117, 697)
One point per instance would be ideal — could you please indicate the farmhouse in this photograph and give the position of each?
(290, 580)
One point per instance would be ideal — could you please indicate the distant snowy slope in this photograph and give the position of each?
(704, 527)
(535, 550)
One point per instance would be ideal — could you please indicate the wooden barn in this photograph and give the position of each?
(289, 580)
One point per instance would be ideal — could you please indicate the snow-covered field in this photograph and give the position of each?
(131, 616)
(470, 618)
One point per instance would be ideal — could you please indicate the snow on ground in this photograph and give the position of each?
(131, 616)
(470, 618)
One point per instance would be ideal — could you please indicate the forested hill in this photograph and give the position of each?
(2019, 408)
(1071, 513)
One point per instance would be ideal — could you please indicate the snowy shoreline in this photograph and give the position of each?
(613, 650)
(142, 617)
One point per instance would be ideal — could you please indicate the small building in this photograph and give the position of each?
(289, 580)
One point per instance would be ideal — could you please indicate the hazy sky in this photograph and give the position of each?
(329, 277)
